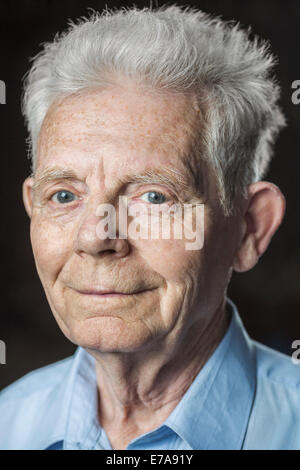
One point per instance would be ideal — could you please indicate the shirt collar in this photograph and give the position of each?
(215, 410)
(74, 404)
(212, 414)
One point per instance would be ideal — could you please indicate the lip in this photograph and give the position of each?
(108, 292)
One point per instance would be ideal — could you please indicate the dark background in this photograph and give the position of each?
(268, 297)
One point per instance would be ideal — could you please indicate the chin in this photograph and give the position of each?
(109, 334)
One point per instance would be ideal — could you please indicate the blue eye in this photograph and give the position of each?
(63, 197)
(154, 197)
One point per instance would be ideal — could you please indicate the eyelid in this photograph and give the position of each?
(60, 191)
(164, 191)
(158, 192)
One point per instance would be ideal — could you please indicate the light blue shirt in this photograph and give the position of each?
(247, 396)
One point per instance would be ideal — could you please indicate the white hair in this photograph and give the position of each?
(177, 49)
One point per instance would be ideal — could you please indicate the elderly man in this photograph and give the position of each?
(164, 109)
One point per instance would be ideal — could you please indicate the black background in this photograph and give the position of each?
(268, 297)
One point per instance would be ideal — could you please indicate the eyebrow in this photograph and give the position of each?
(175, 179)
(167, 176)
(53, 174)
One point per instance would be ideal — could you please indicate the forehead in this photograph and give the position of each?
(126, 119)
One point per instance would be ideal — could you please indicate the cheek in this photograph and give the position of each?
(50, 245)
(172, 254)
(170, 259)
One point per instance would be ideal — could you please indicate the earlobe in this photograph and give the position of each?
(263, 216)
(27, 195)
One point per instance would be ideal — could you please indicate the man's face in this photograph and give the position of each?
(102, 141)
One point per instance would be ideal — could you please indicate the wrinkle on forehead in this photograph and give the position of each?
(161, 122)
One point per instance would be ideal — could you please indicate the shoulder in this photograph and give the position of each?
(35, 381)
(32, 402)
(275, 416)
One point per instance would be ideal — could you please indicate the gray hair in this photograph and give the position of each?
(175, 49)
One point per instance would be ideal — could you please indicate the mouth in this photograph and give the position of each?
(103, 293)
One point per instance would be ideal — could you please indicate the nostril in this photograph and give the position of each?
(106, 252)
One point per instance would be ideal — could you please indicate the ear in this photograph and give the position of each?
(264, 214)
(27, 195)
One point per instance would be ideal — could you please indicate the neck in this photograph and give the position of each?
(138, 391)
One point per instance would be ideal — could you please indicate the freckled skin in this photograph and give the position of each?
(101, 136)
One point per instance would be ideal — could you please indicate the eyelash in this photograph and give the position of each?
(61, 191)
(167, 198)
(156, 192)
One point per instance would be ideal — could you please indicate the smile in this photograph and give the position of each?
(111, 293)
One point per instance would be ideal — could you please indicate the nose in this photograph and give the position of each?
(89, 239)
